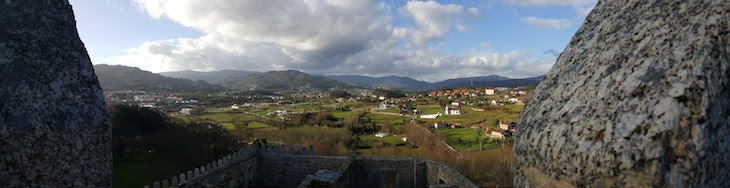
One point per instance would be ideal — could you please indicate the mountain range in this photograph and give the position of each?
(405, 83)
(215, 77)
(282, 80)
(116, 77)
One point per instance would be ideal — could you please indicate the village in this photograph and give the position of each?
(464, 118)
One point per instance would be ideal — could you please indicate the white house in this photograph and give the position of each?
(521, 101)
(497, 133)
(456, 104)
(430, 116)
(186, 111)
(234, 106)
(144, 98)
(381, 135)
(452, 111)
(489, 91)
(504, 125)
(440, 125)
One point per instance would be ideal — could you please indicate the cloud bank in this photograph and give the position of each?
(323, 37)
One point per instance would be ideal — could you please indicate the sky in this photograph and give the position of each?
(425, 40)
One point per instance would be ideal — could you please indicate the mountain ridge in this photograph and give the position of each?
(213, 77)
(406, 83)
(282, 80)
(119, 77)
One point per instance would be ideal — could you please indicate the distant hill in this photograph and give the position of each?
(467, 81)
(394, 82)
(282, 80)
(509, 82)
(117, 77)
(214, 77)
(406, 83)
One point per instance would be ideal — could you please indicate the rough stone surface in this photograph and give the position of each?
(270, 167)
(54, 124)
(639, 98)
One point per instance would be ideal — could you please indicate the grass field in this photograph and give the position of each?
(344, 114)
(367, 141)
(257, 125)
(393, 110)
(430, 109)
(228, 126)
(461, 138)
(398, 151)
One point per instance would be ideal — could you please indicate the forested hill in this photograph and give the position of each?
(213, 77)
(283, 80)
(117, 77)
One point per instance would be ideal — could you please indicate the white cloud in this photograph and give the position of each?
(464, 28)
(548, 23)
(582, 7)
(552, 52)
(473, 11)
(319, 37)
(582, 12)
(433, 20)
(540, 3)
(485, 44)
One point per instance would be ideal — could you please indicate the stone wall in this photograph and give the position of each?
(286, 170)
(284, 166)
(54, 124)
(639, 98)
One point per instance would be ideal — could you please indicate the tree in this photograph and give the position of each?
(339, 93)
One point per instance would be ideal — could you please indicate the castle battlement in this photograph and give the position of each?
(276, 165)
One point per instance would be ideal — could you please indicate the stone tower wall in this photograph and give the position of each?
(54, 124)
(640, 97)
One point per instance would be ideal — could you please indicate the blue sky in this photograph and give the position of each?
(425, 40)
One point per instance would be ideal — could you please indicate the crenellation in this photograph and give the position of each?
(174, 182)
(156, 185)
(284, 168)
(182, 178)
(165, 184)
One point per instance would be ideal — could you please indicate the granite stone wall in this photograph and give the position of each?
(54, 124)
(284, 166)
(639, 98)
(285, 170)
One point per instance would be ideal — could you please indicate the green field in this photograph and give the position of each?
(461, 138)
(393, 110)
(228, 126)
(344, 114)
(257, 125)
(430, 109)
(367, 141)
(399, 151)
